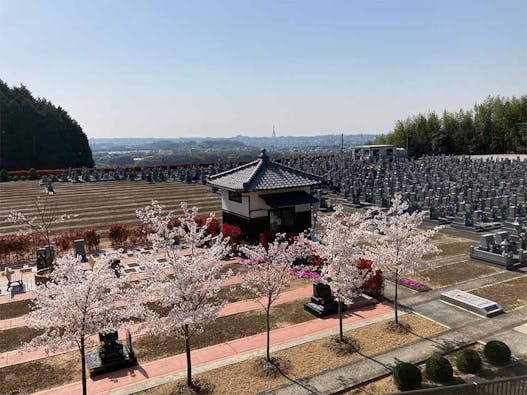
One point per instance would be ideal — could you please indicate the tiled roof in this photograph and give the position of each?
(262, 174)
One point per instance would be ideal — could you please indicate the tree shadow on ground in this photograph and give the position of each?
(300, 382)
(114, 376)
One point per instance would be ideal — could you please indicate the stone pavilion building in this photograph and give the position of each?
(264, 195)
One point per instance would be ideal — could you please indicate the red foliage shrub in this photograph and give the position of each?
(64, 240)
(92, 239)
(374, 286)
(137, 233)
(18, 247)
(213, 228)
(234, 233)
(118, 234)
(173, 223)
(266, 237)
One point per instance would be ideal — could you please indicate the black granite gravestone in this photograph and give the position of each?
(322, 302)
(111, 355)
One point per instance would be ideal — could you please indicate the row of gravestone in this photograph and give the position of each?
(190, 174)
(451, 189)
(506, 248)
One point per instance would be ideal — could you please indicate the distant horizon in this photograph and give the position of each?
(218, 69)
(232, 137)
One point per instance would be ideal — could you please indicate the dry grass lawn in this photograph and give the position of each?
(450, 247)
(508, 294)
(30, 377)
(11, 339)
(310, 358)
(455, 273)
(15, 309)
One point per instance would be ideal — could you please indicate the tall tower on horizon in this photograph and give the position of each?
(274, 132)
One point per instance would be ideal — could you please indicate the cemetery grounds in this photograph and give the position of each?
(100, 204)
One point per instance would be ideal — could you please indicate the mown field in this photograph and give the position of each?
(99, 204)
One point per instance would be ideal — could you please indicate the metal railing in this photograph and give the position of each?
(509, 386)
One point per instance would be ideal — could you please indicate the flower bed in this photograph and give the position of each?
(304, 273)
(412, 284)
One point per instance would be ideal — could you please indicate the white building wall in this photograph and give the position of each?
(235, 207)
(257, 207)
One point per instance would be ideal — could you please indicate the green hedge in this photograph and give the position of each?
(407, 376)
(438, 368)
(497, 352)
(468, 361)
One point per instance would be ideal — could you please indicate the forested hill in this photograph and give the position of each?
(495, 126)
(35, 133)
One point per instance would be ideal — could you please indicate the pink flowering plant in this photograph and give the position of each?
(412, 284)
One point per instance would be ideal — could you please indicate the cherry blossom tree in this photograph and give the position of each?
(341, 247)
(399, 245)
(188, 282)
(269, 272)
(78, 303)
(46, 216)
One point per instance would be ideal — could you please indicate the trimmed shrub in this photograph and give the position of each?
(407, 376)
(497, 352)
(18, 247)
(118, 234)
(4, 175)
(213, 228)
(266, 237)
(468, 361)
(64, 240)
(234, 233)
(438, 368)
(92, 239)
(137, 233)
(374, 286)
(32, 174)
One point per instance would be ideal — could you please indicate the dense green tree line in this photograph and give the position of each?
(496, 126)
(35, 133)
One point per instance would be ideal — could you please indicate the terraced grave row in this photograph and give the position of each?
(99, 204)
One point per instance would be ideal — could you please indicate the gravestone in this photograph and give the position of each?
(470, 302)
(322, 302)
(80, 250)
(111, 355)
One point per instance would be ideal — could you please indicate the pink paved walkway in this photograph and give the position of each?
(15, 357)
(204, 356)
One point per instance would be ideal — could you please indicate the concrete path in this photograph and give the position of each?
(371, 367)
(165, 370)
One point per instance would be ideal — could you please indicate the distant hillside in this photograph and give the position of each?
(233, 143)
(35, 133)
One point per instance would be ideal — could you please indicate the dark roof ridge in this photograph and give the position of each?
(234, 169)
(256, 170)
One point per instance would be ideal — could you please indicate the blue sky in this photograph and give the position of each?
(221, 68)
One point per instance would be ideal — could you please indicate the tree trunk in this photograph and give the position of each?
(395, 298)
(187, 351)
(268, 328)
(83, 364)
(341, 333)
